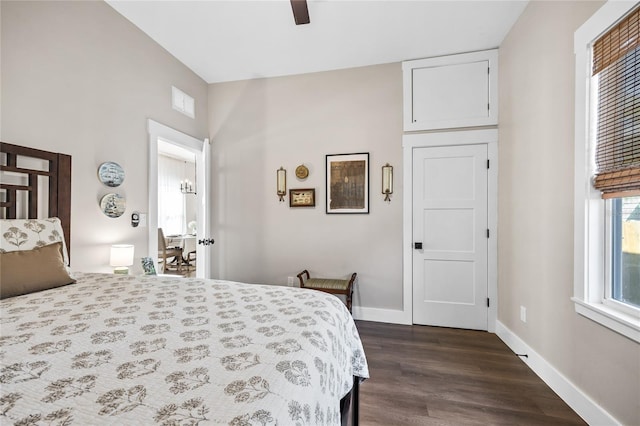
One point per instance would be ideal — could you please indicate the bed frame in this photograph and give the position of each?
(59, 174)
(351, 399)
(59, 177)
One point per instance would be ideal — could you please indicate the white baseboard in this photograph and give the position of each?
(586, 408)
(392, 316)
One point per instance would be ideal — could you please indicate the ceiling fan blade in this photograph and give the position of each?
(300, 11)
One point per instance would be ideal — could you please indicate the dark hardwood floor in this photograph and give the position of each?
(439, 376)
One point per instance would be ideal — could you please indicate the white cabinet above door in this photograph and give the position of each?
(451, 91)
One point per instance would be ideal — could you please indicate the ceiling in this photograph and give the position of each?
(240, 39)
(174, 151)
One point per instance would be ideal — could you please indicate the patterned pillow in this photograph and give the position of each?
(27, 234)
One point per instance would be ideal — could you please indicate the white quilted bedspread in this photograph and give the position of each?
(126, 350)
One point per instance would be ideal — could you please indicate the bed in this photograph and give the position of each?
(113, 349)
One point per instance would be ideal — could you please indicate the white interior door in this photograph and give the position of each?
(450, 236)
(203, 231)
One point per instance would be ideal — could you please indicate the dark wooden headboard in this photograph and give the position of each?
(59, 177)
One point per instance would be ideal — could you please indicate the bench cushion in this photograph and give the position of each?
(327, 283)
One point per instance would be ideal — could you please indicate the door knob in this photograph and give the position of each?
(417, 246)
(206, 241)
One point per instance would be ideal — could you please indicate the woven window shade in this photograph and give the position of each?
(616, 62)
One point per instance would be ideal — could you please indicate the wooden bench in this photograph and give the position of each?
(329, 285)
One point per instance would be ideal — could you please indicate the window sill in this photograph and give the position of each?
(622, 323)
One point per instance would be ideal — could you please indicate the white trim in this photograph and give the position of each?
(166, 132)
(614, 319)
(160, 131)
(589, 209)
(407, 233)
(580, 402)
(463, 137)
(492, 223)
(392, 316)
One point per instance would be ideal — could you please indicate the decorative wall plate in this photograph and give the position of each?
(111, 174)
(302, 171)
(113, 205)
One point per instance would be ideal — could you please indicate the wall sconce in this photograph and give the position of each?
(387, 182)
(121, 258)
(281, 182)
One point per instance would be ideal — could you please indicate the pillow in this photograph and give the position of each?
(28, 271)
(27, 234)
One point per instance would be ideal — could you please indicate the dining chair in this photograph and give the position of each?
(165, 253)
(189, 251)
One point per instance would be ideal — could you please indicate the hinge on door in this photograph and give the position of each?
(488, 164)
(488, 107)
(487, 302)
(488, 70)
(487, 233)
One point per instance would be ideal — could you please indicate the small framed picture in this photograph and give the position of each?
(147, 266)
(348, 183)
(302, 197)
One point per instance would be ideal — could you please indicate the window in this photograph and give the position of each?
(624, 284)
(171, 201)
(607, 201)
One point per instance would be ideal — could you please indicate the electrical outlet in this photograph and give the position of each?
(290, 281)
(523, 314)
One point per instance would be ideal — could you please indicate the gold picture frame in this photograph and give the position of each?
(305, 197)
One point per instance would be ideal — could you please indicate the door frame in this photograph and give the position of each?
(200, 149)
(410, 141)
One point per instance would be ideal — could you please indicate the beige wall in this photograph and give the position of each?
(259, 125)
(80, 79)
(536, 211)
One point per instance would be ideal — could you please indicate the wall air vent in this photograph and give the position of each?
(182, 102)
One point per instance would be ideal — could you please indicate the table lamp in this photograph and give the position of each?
(121, 258)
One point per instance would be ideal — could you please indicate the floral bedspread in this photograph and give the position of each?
(126, 350)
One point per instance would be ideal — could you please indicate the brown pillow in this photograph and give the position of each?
(28, 271)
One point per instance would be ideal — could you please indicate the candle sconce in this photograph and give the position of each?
(281, 183)
(387, 182)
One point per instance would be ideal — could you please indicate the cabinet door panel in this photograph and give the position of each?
(451, 91)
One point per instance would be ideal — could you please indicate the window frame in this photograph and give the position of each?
(592, 214)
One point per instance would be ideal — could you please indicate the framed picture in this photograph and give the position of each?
(302, 197)
(348, 183)
(147, 266)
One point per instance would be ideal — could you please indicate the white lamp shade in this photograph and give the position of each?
(121, 255)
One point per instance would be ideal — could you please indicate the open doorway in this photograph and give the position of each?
(177, 210)
(178, 214)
